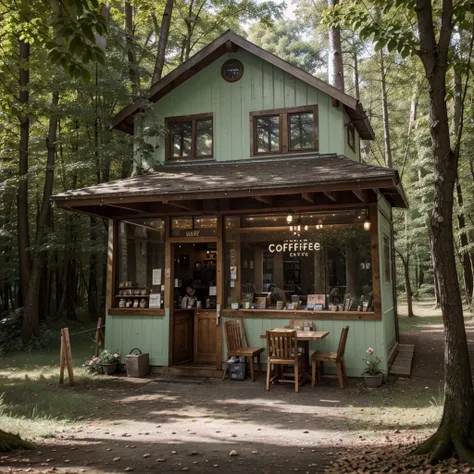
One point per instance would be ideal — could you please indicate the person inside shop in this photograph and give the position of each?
(276, 294)
(189, 300)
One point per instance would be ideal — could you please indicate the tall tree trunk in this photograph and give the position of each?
(385, 117)
(355, 72)
(30, 325)
(163, 41)
(408, 289)
(92, 285)
(456, 429)
(22, 198)
(336, 75)
(130, 48)
(467, 269)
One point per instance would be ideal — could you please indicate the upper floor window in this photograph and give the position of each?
(351, 141)
(189, 137)
(281, 131)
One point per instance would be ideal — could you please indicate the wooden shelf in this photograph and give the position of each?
(136, 312)
(302, 314)
(132, 296)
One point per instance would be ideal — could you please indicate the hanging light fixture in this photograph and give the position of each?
(367, 223)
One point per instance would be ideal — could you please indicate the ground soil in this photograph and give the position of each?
(238, 427)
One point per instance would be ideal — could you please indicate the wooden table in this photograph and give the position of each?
(304, 337)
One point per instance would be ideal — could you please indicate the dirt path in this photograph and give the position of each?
(173, 427)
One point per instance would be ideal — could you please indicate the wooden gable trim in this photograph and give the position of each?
(218, 48)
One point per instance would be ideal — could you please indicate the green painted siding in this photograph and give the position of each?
(148, 333)
(353, 155)
(362, 334)
(262, 87)
(386, 287)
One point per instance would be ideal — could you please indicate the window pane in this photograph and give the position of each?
(205, 222)
(268, 133)
(181, 136)
(141, 261)
(318, 262)
(204, 137)
(301, 130)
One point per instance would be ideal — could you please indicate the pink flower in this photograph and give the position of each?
(370, 351)
(117, 355)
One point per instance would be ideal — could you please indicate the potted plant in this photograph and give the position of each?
(93, 365)
(373, 377)
(109, 361)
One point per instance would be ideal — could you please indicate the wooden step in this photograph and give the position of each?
(403, 360)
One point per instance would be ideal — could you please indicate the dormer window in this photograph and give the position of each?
(189, 137)
(281, 131)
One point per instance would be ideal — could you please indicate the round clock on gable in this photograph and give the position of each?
(232, 70)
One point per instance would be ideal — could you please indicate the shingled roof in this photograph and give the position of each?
(228, 42)
(256, 177)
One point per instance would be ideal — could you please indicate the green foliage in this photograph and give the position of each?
(10, 335)
(289, 40)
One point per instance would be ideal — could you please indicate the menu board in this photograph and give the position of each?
(155, 300)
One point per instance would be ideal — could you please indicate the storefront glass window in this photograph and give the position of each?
(319, 261)
(193, 226)
(141, 259)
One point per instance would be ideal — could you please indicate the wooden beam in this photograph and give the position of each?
(308, 197)
(187, 206)
(331, 195)
(136, 207)
(231, 47)
(362, 195)
(265, 200)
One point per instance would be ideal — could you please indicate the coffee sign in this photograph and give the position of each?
(296, 248)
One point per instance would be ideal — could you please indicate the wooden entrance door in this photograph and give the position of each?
(183, 336)
(205, 333)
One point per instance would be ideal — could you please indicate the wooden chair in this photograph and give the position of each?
(282, 350)
(238, 346)
(337, 358)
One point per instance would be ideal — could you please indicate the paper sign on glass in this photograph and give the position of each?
(156, 276)
(212, 290)
(155, 300)
(233, 272)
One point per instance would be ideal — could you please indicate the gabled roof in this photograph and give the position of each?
(231, 42)
(256, 177)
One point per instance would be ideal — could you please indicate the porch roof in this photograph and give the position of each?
(256, 178)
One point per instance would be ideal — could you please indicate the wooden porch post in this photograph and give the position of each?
(111, 265)
(169, 287)
(220, 288)
(374, 245)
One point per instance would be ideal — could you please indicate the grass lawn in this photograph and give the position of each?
(32, 403)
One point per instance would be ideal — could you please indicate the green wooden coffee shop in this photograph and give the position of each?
(253, 205)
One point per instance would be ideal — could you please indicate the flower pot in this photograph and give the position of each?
(373, 381)
(109, 369)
